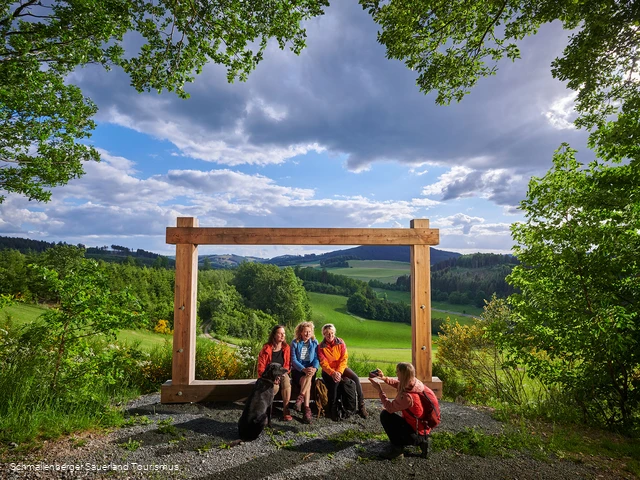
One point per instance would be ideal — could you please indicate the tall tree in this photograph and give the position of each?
(275, 291)
(43, 119)
(577, 321)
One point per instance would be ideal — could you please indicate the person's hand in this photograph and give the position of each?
(377, 373)
(310, 371)
(336, 376)
(375, 384)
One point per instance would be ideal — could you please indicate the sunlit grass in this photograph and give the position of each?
(21, 313)
(147, 340)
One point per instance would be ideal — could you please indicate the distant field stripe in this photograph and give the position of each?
(386, 355)
(22, 313)
(146, 339)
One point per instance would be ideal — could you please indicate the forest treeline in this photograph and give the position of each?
(113, 253)
(362, 300)
(464, 280)
(245, 302)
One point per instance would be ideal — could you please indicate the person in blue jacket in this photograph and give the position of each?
(304, 365)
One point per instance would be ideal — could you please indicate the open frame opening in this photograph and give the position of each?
(187, 235)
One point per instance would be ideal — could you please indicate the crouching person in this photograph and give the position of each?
(419, 409)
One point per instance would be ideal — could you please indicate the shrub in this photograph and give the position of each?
(215, 361)
(163, 327)
(470, 360)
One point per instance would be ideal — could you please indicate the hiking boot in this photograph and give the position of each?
(299, 402)
(393, 453)
(362, 411)
(286, 416)
(425, 447)
(307, 415)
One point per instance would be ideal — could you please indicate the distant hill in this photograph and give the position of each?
(114, 253)
(226, 261)
(25, 245)
(399, 253)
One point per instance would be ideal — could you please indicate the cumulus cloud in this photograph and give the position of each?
(112, 201)
(458, 223)
(343, 96)
(561, 112)
(502, 186)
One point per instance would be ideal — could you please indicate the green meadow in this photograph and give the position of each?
(446, 308)
(146, 339)
(383, 270)
(384, 342)
(23, 313)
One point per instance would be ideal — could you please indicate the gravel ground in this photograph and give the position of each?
(199, 448)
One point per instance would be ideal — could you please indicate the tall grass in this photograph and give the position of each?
(31, 409)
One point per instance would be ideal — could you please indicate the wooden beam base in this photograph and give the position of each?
(232, 390)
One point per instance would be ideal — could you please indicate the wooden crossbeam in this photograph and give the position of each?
(302, 236)
(233, 390)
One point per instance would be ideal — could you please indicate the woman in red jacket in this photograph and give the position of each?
(403, 429)
(276, 350)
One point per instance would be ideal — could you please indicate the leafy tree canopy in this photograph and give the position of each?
(451, 45)
(577, 321)
(43, 119)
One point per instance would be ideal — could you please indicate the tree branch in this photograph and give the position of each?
(17, 12)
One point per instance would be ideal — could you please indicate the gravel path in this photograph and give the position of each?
(199, 448)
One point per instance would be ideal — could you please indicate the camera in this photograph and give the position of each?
(374, 373)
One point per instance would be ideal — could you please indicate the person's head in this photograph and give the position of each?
(304, 331)
(406, 373)
(329, 332)
(277, 335)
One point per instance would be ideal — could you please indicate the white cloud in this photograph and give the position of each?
(452, 177)
(500, 185)
(112, 201)
(229, 146)
(458, 223)
(561, 112)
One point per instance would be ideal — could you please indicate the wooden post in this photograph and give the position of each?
(421, 306)
(184, 310)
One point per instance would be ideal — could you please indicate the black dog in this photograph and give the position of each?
(257, 410)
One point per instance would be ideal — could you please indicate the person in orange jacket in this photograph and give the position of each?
(277, 350)
(333, 356)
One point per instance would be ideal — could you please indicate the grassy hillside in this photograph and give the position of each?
(405, 297)
(24, 313)
(384, 270)
(147, 340)
(383, 342)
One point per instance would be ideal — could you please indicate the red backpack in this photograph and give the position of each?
(430, 409)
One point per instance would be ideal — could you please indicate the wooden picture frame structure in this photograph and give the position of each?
(184, 388)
